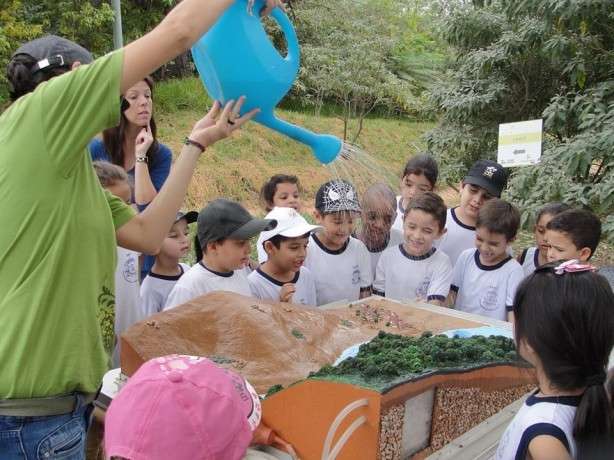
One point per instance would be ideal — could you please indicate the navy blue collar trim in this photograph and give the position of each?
(481, 266)
(334, 252)
(533, 399)
(536, 258)
(401, 210)
(276, 281)
(422, 257)
(458, 222)
(222, 274)
(167, 277)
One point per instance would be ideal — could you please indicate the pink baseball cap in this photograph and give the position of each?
(182, 407)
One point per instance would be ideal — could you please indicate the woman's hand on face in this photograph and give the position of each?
(143, 141)
(215, 126)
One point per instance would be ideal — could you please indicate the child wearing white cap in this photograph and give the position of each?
(283, 277)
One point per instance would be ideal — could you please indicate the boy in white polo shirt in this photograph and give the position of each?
(486, 179)
(339, 262)
(282, 278)
(486, 277)
(415, 270)
(223, 235)
(167, 269)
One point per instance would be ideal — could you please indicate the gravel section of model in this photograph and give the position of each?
(391, 433)
(458, 409)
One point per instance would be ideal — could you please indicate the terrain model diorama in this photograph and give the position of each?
(405, 392)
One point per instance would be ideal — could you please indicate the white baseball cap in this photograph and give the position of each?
(289, 224)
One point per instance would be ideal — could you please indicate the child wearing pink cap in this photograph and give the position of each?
(182, 407)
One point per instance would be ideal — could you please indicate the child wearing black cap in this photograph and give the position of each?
(486, 179)
(223, 241)
(167, 269)
(339, 262)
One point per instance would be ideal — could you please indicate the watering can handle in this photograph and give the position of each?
(294, 52)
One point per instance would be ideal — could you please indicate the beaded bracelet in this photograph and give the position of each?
(198, 145)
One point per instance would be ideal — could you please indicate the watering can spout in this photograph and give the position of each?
(325, 147)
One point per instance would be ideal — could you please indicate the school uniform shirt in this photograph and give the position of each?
(394, 239)
(398, 221)
(339, 274)
(486, 290)
(546, 415)
(529, 260)
(127, 311)
(156, 288)
(458, 237)
(401, 276)
(266, 287)
(200, 280)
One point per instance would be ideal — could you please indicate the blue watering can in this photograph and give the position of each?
(236, 57)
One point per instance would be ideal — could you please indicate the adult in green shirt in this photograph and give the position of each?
(60, 229)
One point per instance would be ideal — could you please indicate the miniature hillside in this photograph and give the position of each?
(389, 359)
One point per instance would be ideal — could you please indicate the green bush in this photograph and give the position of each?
(520, 60)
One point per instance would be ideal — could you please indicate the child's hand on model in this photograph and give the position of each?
(286, 292)
(143, 142)
(215, 126)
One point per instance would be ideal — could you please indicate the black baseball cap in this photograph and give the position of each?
(489, 175)
(190, 216)
(337, 195)
(228, 219)
(52, 51)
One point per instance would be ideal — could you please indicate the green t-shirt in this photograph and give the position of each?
(57, 234)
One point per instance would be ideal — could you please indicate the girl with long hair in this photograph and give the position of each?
(564, 327)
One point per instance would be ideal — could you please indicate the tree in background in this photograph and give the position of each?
(364, 55)
(89, 23)
(14, 30)
(524, 59)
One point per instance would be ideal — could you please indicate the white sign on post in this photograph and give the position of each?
(520, 144)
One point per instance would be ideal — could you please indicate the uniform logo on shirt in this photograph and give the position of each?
(355, 274)
(423, 288)
(488, 301)
(129, 268)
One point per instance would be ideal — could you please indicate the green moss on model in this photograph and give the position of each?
(389, 356)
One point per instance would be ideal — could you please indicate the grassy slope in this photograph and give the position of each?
(237, 168)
